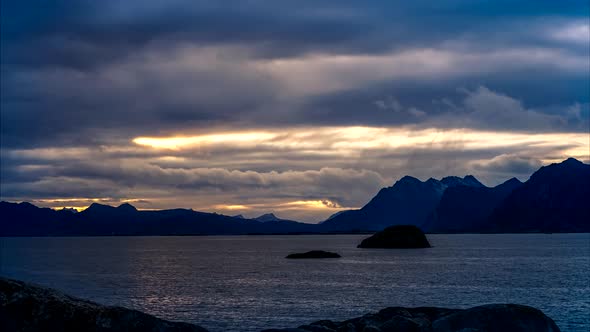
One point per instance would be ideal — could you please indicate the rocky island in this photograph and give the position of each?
(397, 237)
(24, 307)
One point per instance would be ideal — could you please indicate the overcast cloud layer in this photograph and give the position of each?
(302, 108)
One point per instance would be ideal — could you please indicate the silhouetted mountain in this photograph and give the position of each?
(555, 199)
(71, 210)
(267, 217)
(408, 202)
(467, 208)
(468, 181)
(126, 208)
(98, 208)
(337, 214)
(25, 219)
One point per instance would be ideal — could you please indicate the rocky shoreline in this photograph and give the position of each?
(491, 317)
(25, 307)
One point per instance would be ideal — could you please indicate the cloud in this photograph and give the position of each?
(577, 33)
(484, 108)
(201, 188)
(351, 96)
(326, 168)
(326, 73)
(498, 110)
(521, 166)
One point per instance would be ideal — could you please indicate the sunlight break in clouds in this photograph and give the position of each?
(322, 207)
(279, 105)
(175, 143)
(303, 174)
(348, 141)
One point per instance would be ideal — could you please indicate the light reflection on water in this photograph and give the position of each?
(243, 283)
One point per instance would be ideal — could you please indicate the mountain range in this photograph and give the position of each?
(554, 199)
(25, 219)
(409, 202)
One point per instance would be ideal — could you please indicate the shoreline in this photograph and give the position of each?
(29, 307)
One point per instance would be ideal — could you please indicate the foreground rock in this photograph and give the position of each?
(315, 254)
(24, 308)
(488, 318)
(397, 237)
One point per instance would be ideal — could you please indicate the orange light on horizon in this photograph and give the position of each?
(177, 142)
(350, 141)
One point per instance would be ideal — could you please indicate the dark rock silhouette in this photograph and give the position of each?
(555, 199)
(24, 308)
(28, 308)
(466, 208)
(397, 237)
(314, 254)
(489, 318)
(408, 202)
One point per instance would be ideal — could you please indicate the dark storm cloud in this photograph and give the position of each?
(71, 45)
(80, 80)
(85, 35)
(88, 33)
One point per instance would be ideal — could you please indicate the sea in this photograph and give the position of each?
(244, 283)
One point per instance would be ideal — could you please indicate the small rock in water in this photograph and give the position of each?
(315, 254)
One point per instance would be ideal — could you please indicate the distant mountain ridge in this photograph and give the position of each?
(408, 202)
(25, 219)
(267, 217)
(467, 208)
(554, 199)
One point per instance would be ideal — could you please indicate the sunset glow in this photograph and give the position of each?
(345, 141)
(303, 109)
(178, 142)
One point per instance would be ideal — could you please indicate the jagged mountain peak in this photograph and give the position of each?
(267, 217)
(127, 207)
(410, 179)
(563, 170)
(98, 207)
(468, 180)
(69, 210)
(511, 181)
(572, 161)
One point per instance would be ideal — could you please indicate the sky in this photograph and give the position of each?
(301, 108)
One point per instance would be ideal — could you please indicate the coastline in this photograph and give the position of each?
(28, 307)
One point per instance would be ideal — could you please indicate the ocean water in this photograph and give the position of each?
(243, 283)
